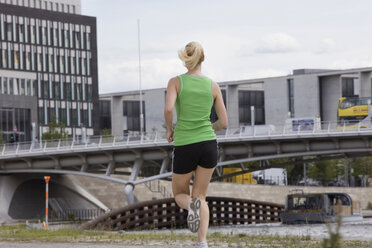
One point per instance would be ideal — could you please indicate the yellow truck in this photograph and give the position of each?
(246, 178)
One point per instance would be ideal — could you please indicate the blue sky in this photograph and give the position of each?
(242, 39)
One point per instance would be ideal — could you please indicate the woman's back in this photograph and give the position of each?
(193, 105)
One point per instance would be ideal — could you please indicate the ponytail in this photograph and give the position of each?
(192, 55)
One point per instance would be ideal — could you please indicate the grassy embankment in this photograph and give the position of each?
(20, 233)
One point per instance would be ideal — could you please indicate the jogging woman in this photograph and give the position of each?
(195, 146)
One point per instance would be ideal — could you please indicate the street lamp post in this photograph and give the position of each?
(140, 78)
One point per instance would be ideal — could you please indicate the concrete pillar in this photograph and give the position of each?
(232, 99)
(164, 165)
(110, 168)
(129, 187)
(116, 116)
(8, 186)
(365, 84)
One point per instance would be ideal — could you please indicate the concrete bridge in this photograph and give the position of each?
(102, 157)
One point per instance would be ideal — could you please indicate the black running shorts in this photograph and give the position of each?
(186, 158)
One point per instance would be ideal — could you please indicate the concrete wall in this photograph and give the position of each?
(112, 194)
(365, 84)
(232, 105)
(116, 116)
(154, 109)
(24, 195)
(276, 100)
(330, 88)
(316, 94)
(7, 189)
(277, 194)
(306, 96)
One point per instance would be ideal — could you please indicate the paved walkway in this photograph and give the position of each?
(349, 231)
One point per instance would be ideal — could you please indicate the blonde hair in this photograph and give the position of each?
(192, 55)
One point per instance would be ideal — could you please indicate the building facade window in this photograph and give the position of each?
(10, 57)
(131, 113)
(4, 83)
(15, 117)
(2, 27)
(105, 114)
(20, 32)
(9, 32)
(32, 33)
(4, 58)
(248, 99)
(64, 116)
(348, 87)
(58, 50)
(68, 91)
(73, 88)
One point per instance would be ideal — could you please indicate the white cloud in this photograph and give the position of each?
(155, 73)
(259, 41)
(263, 73)
(352, 63)
(326, 46)
(277, 43)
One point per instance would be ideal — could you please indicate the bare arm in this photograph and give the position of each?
(171, 98)
(219, 106)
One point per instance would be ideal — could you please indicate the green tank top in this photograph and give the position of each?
(193, 105)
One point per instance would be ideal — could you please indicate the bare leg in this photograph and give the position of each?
(199, 189)
(181, 189)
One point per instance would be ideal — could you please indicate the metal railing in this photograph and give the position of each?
(75, 214)
(159, 138)
(165, 213)
(157, 187)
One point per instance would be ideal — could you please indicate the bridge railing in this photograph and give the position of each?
(156, 138)
(164, 213)
(75, 214)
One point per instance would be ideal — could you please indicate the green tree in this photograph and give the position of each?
(295, 171)
(56, 130)
(361, 166)
(324, 171)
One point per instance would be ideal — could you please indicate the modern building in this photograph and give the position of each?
(306, 93)
(48, 68)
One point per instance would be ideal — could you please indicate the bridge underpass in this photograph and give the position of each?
(103, 157)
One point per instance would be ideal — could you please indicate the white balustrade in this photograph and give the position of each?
(156, 138)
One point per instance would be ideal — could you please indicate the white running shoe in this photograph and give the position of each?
(201, 245)
(193, 217)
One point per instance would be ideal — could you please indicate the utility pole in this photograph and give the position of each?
(47, 178)
(139, 77)
(346, 171)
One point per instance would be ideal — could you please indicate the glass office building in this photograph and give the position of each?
(48, 67)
